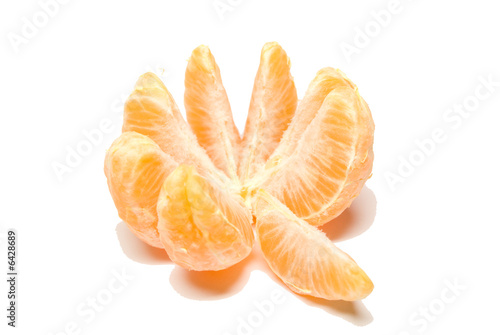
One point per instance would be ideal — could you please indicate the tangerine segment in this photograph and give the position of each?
(208, 111)
(135, 168)
(326, 80)
(304, 258)
(331, 162)
(151, 110)
(202, 226)
(273, 104)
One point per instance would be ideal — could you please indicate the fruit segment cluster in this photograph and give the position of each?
(204, 193)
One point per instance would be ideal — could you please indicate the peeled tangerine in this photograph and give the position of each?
(193, 188)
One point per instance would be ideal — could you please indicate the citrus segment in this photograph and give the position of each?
(272, 106)
(331, 162)
(151, 110)
(202, 226)
(208, 111)
(135, 169)
(326, 80)
(304, 258)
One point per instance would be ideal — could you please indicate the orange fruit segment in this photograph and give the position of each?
(304, 258)
(202, 225)
(135, 168)
(151, 110)
(326, 80)
(272, 106)
(331, 161)
(208, 111)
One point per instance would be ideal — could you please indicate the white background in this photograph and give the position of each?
(438, 225)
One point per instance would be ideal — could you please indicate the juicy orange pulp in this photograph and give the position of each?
(304, 258)
(272, 106)
(202, 226)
